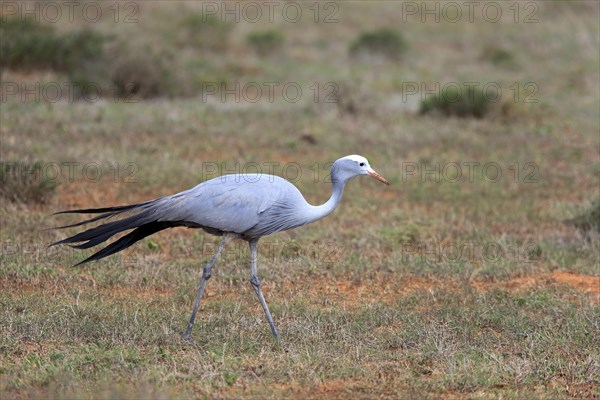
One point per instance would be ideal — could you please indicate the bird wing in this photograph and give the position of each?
(232, 203)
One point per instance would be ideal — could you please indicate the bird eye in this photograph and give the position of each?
(362, 164)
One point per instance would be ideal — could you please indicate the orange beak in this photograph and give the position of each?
(376, 175)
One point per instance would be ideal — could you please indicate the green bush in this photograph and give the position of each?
(130, 72)
(589, 220)
(26, 44)
(456, 101)
(384, 42)
(78, 48)
(95, 64)
(206, 31)
(139, 74)
(81, 55)
(26, 183)
(407, 234)
(499, 57)
(266, 43)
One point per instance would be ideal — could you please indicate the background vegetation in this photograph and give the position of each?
(440, 285)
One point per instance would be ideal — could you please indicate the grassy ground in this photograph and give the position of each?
(432, 287)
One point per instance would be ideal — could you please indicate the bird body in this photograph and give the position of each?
(251, 205)
(246, 206)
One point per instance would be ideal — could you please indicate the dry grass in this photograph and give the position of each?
(374, 302)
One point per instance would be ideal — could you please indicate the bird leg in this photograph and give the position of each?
(256, 286)
(206, 274)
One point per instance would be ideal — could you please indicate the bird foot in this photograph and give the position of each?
(187, 335)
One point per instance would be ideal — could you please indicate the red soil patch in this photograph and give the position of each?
(336, 389)
(583, 283)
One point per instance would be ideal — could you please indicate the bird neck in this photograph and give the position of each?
(319, 212)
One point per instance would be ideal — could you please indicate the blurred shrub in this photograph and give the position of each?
(27, 44)
(351, 99)
(395, 235)
(140, 74)
(206, 31)
(499, 57)
(589, 220)
(78, 48)
(26, 183)
(129, 71)
(266, 43)
(95, 64)
(507, 111)
(458, 101)
(383, 42)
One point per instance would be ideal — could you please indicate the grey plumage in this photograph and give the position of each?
(245, 206)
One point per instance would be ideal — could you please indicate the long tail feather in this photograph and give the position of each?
(105, 209)
(128, 240)
(106, 212)
(148, 218)
(101, 233)
(87, 221)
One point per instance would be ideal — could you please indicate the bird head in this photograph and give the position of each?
(350, 166)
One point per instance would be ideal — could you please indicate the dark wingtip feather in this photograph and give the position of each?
(79, 263)
(106, 212)
(101, 210)
(99, 233)
(87, 221)
(63, 241)
(127, 240)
